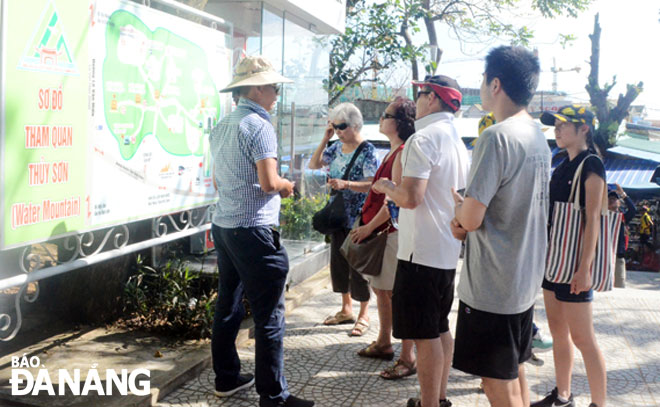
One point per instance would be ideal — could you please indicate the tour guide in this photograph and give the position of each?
(250, 256)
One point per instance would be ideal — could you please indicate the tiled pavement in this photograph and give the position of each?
(321, 362)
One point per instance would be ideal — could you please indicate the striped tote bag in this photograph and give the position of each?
(565, 244)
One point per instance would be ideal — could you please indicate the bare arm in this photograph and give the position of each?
(469, 213)
(593, 189)
(315, 162)
(215, 184)
(383, 215)
(359, 234)
(356, 186)
(409, 194)
(397, 169)
(270, 181)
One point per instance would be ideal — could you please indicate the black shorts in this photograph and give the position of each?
(563, 292)
(492, 345)
(421, 301)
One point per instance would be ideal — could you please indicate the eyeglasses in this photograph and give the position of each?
(340, 126)
(277, 88)
(423, 92)
(386, 116)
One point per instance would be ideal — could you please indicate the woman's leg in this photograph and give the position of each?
(581, 325)
(340, 271)
(384, 302)
(360, 291)
(562, 345)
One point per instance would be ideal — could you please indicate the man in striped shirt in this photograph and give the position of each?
(250, 256)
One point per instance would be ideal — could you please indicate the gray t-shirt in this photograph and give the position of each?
(505, 257)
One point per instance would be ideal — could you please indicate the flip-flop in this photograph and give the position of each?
(339, 318)
(399, 370)
(361, 326)
(373, 351)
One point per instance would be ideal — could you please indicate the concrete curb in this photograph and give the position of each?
(115, 349)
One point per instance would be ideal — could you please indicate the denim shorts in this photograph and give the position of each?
(563, 292)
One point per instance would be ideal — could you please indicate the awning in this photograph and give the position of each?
(631, 152)
(630, 173)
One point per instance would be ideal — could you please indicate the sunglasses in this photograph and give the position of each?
(340, 126)
(423, 92)
(386, 116)
(277, 88)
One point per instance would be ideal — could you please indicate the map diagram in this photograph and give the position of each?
(156, 83)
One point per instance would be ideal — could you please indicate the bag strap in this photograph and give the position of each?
(355, 156)
(575, 190)
(350, 165)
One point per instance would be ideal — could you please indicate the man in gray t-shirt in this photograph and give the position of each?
(505, 257)
(503, 220)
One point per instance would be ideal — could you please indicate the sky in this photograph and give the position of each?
(629, 46)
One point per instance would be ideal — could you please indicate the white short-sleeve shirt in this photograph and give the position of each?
(435, 153)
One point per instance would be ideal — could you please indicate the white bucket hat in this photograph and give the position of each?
(254, 71)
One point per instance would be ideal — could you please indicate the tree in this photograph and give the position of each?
(609, 118)
(369, 43)
(470, 20)
(481, 20)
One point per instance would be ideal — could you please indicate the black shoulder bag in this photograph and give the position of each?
(333, 215)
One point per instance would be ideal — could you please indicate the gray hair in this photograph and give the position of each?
(348, 113)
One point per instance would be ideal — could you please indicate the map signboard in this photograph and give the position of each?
(106, 109)
(154, 91)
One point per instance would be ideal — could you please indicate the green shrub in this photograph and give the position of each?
(296, 217)
(173, 300)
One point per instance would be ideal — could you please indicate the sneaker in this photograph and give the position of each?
(243, 382)
(541, 342)
(535, 360)
(291, 401)
(416, 402)
(551, 400)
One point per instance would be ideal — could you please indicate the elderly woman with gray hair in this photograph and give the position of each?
(346, 122)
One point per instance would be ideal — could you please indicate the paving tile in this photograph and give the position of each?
(321, 362)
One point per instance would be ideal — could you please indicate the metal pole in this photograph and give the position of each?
(293, 138)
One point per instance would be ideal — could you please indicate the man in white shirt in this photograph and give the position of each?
(434, 160)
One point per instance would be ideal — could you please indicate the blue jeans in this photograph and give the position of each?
(250, 260)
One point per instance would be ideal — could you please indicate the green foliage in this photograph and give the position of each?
(379, 35)
(296, 217)
(554, 8)
(370, 42)
(173, 300)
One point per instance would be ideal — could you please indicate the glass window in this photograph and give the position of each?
(272, 37)
(306, 62)
(246, 18)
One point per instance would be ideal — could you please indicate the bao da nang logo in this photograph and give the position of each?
(76, 381)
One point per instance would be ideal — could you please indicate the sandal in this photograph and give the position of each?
(360, 327)
(373, 351)
(400, 370)
(339, 318)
